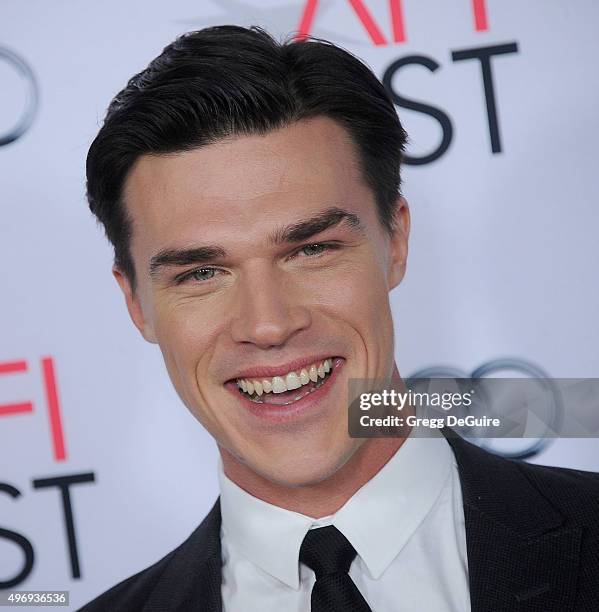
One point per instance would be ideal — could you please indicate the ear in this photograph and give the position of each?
(134, 306)
(399, 242)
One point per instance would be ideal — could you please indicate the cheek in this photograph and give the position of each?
(357, 297)
(187, 339)
(355, 291)
(186, 335)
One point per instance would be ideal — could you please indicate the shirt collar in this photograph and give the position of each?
(378, 519)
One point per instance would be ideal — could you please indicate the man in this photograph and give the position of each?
(251, 192)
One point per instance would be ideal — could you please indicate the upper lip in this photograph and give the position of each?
(266, 371)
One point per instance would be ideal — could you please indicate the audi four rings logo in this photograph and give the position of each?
(526, 447)
(25, 119)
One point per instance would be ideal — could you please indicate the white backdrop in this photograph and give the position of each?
(503, 261)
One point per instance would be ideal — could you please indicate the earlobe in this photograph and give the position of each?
(134, 306)
(399, 242)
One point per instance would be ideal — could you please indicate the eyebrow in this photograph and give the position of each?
(289, 234)
(184, 257)
(305, 229)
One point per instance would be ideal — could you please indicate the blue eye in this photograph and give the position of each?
(203, 274)
(313, 249)
(199, 275)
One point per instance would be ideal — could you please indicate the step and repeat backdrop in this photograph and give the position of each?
(102, 469)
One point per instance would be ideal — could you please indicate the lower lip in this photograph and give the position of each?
(284, 413)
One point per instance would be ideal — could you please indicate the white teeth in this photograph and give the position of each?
(288, 382)
(292, 381)
(278, 385)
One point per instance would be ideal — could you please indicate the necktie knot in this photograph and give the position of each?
(326, 550)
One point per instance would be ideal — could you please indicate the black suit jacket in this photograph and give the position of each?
(532, 537)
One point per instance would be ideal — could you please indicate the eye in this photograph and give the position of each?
(316, 249)
(313, 249)
(199, 275)
(203, 274)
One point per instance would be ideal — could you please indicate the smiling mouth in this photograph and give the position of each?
(288, 388)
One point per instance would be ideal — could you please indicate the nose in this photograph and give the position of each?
(268, 309)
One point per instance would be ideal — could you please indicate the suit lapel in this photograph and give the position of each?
(192, 578)
(521, 555)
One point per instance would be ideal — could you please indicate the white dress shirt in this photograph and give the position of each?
(406, 524)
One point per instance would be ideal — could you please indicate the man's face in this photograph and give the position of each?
(260, 259)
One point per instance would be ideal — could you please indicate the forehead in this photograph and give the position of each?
(230, 185)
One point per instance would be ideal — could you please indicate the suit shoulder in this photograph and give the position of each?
(131, 594)
(575, 492)
(572, 477)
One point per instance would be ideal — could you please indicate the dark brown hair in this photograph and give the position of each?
(229, 80)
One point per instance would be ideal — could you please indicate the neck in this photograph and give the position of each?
(322, 498)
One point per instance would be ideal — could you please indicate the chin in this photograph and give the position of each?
(307, 468)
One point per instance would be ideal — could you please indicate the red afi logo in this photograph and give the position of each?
(52, 403)
(479, 11)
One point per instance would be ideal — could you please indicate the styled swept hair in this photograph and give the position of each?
(226, 81)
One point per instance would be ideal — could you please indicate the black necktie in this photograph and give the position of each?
(328, 553)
